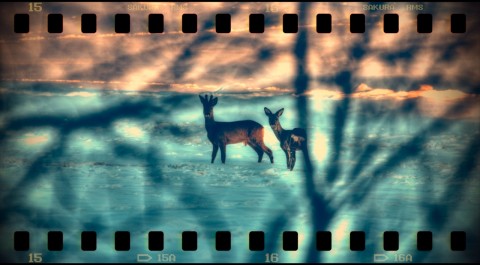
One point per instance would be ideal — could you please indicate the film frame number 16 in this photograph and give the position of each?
(271, 257)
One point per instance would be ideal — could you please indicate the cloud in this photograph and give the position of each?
(241, 62)
(366, 92)
(80, 94)
(432, 102)
(319, 94)
(140, 58)
(33, 140)
(230, 88)
(444, 95)
(425, 91)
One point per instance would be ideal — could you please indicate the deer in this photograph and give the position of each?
(220, 134)
(290, 140)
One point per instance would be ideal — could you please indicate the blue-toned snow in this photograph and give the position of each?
(140, 162)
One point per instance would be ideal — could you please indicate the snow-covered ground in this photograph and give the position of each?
(141, 162)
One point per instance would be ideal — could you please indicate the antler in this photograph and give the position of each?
(206, 98)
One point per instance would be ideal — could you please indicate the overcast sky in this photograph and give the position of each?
(440, 68)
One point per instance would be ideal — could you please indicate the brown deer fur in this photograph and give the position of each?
(290, 140)
(222, 133)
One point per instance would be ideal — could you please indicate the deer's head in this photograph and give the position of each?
(208, 104)
(273, 117)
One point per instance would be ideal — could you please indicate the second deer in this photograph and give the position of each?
(290, 140)
(222, 133)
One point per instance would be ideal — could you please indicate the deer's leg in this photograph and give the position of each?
(268, 151)
(214, 152)
(287, 155)
(223, 151)
(292, 155)
(257, 149)
(260, 154)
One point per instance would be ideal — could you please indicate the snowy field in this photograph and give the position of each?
(104, 132)
(140, 161)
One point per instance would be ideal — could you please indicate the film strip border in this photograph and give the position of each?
(256, 23)
(256, 241)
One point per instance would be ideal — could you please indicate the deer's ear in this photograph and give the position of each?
(280, 112)
(201, 99)
(267, 111)
(214, 101)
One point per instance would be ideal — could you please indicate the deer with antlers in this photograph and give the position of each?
(222, 133)
(290, 140)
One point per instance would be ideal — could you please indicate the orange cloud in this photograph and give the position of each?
(80, 94)
(432, 102)
(425, 91)
(31, 139)
(319, 94)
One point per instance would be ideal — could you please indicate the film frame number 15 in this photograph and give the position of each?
(35, 7)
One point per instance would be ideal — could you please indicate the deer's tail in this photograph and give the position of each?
(256, 135)
(259, 134)
(258, 138)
